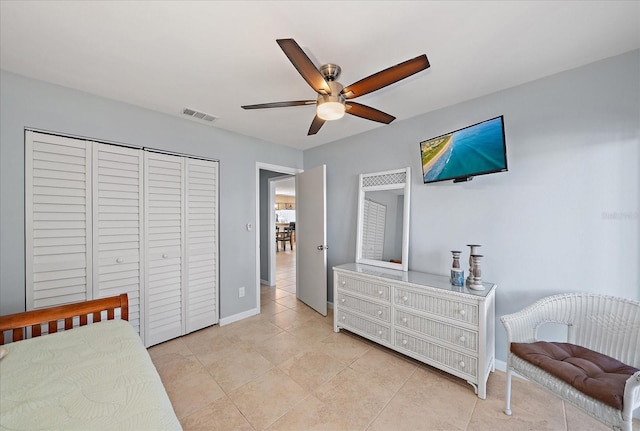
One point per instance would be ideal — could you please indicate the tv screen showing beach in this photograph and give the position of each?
(475, 150)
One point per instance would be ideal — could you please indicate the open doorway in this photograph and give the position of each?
(276, 260)
(284, 195)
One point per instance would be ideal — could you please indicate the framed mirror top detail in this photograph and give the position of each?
(383, 219)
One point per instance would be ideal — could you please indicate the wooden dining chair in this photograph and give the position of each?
(284, 237)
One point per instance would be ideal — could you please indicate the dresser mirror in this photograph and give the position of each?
(383, 219)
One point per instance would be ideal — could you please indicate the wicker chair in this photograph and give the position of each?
(604, 324)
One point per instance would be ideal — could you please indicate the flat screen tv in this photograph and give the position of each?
(465, 153)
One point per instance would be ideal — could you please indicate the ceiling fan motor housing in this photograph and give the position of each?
(330, 72)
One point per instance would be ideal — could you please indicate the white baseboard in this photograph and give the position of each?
(330, 305)
(501, 365)
(266, 283)
(239, 316)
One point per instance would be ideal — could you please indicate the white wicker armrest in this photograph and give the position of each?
(631, 396)
(521, 326)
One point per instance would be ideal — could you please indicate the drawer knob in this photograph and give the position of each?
(463, 313)
(379, 332)
(404, 298)
(405, 342)
(343, 300)
(119, 260)
(344, 282)
(404, 320)
(380, 292)
(379, 312)
(344, 317)
(462, 339)
(461, 364)
(165, 255)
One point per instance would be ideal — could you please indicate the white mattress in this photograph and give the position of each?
(94, 377)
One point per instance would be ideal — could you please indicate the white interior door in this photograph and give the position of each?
(117, 225)
(164, 227)
(58, 220)
(201, 232)
(311, 238)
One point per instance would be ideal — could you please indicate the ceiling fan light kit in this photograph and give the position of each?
(329, 111)
(331, 107)
(331, 103)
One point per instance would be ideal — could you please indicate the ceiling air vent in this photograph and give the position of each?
(199, 115)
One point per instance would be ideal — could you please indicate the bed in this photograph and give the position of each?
(79, 367)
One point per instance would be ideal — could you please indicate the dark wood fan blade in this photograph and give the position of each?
(315, 125)
(304, 65)
(385, 77)
(280, 104)
(369, 113)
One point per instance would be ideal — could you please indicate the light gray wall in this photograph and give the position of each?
(565, 216)
(26, 103)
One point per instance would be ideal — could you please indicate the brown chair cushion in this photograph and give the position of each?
(592, 373)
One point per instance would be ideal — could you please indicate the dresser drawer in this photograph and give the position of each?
(454, 335)
(364, 287)
(382, 312)
(450, 358)
(461, 311)
(375, 330)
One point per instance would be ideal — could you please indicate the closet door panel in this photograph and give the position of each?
(164, 220)
(58, 223)
(118, 225)
(201, 228)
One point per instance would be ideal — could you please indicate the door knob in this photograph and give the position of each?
(322, 247)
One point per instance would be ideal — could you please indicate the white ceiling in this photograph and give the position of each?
(215, 56)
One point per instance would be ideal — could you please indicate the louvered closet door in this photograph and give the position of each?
(117, 224)
(57, 220)
(374, 218)
(164, 226)
(202, 244)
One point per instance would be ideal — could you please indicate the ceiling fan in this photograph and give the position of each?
(333, 99)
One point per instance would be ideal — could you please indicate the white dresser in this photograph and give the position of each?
(420, 315)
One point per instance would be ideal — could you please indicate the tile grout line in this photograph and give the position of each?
(475, 405)
(392, 398)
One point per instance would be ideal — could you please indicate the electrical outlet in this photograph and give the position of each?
(241, 292)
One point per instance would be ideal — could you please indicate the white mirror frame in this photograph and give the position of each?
(398, 179)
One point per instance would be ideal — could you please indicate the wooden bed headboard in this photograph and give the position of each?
(19, 322)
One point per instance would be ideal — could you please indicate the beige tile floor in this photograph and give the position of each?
(286, 369)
